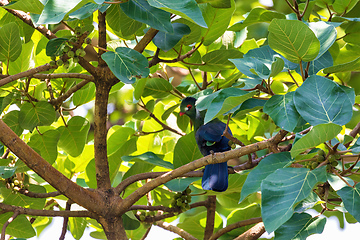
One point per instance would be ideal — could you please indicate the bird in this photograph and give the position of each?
(209, 138)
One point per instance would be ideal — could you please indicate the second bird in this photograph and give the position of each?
(209, 137)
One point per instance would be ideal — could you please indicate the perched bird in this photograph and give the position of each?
(210, 139)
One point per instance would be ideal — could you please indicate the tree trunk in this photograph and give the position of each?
(113, 228)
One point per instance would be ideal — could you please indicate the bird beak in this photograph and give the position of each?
(181, 113)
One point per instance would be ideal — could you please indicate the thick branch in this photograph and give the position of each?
(87, 199)
(102, 38)
(63, 75)
(217, 158)
(150, 34)
(27, 73)
(100, 133)
(45, 213)
(253, 233)
(234, 226)
(210, 217)
(176, 230)
(38, 195)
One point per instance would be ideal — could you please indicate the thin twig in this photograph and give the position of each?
(16, 213)
(181, 232)
(66, 220)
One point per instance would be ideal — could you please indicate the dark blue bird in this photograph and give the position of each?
(209, 138)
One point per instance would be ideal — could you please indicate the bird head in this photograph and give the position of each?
(187, 107)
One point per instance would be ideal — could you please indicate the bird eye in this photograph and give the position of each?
(188, 107)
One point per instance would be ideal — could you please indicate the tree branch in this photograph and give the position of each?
(45, 213)
(62, 75)
(149, 35)
(176, 230)
(87, 199)
(27, 73)
(233, 226)
(3, 230)
(38, 195)
(220, 157)
(253, 233)
(66, 220)
(210, 216)
(102, 38)
(62, 98)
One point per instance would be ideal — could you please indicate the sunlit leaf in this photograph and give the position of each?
(10, 42)
(55, 11)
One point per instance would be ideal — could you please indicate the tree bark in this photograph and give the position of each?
(113, 228)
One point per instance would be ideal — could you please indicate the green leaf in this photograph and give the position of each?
(320, 100)
(139, 88)
(20, 227)
(338, 183)
(227, 100)
(326, 34)
(168, 111)
(180, 184)
(266, 167)
(10, 42)
(166, 41)
(77, 227)
(285, 38)
(186, 150)
(12, 120)
(24, 201)
(130, 221)
(217, 3)
(141, 11)
(22, 63)
(319, 134)
(241, 214)
(54, 46)
(73, 136)
(85, 11)
(219, 60)
(126, 63)
(281, 109)
(351, 199)
(157, 88)
(217, 20)
(6, 172)
(256, 15)
(300, 226)
(84, 95)
(345, 67)
(36, 114)
(118, 138)
(55, 10)
(120, 23)
(149, 157)
(32, 6)
(46, 144)
(284, 188)
(343, 6)
(187, 9)
(138, 167)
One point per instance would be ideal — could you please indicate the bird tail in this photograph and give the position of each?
(215, 177)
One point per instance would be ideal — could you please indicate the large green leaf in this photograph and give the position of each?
(12, 120)
(22, 63)
(282, 111)
(77, 226)
(219, 60)
(157, 88)
(319, 134)
(55, 10)
(345, 67)
(141, 11)
(256, 15)
(46, 144)
(118, 138)
(217, 20)
(84, 95)
(24, 201)
(126, 63)
(120, 22)
(266, 167)
(166, 41)
(351, 199)
(20, 227)
(344, 6)
(32, 6)
(187, 9)
(326, 34)
(73, 136)
(294, 40)
(300, 226)
(5, 171)
(149, 157)
(227, 100)
(320, 100)
(284, 188)
(180, 184)
(36, 114)
(54, 46)
(85, 11)
(186, 150)
(10, 42)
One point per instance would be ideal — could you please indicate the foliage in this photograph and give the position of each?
(284, 77)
